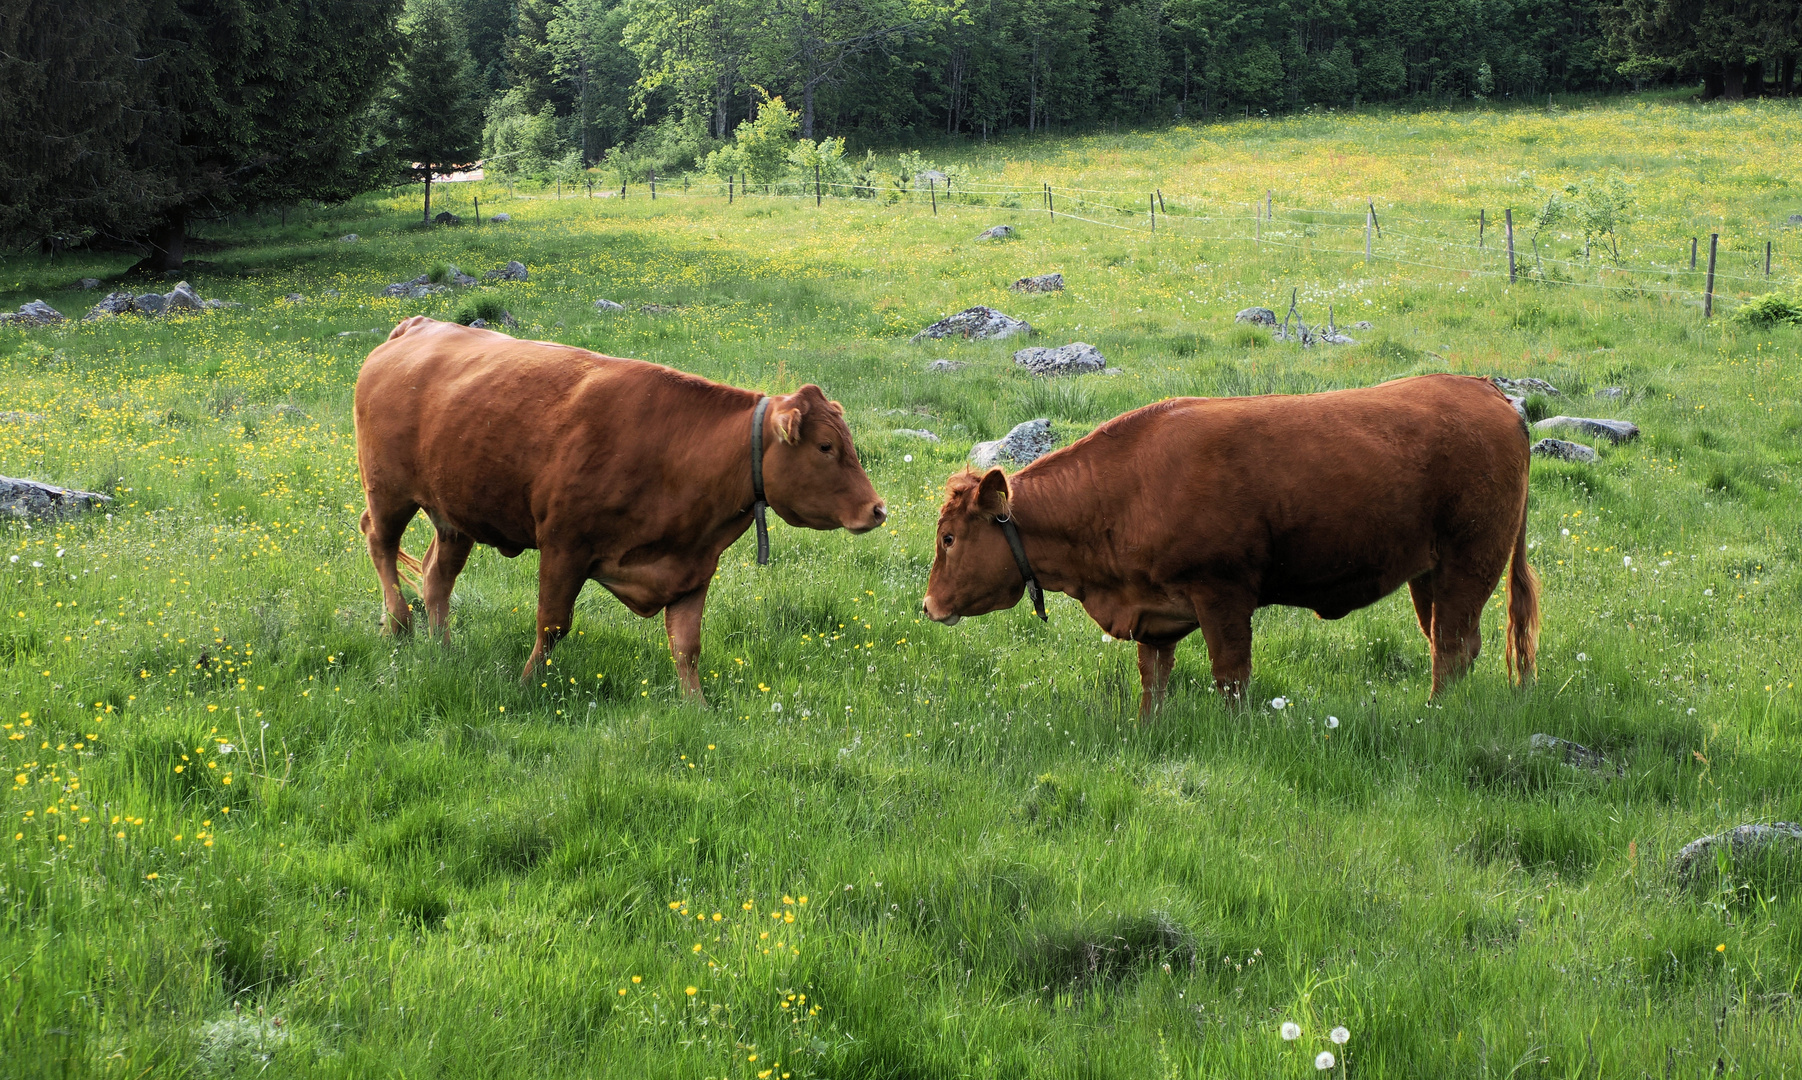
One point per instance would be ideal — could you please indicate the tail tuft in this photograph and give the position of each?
(411, 570)
(1523, 612)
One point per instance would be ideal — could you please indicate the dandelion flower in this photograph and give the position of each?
(1291, 1031)
(1325, 1060)
(1332, 721)
(691, 991)
(638, 978)
(1279, 704)
(1339, 1035)
(1720, 948)
(1582, 658)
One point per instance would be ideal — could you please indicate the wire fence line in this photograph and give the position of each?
(1428, 242)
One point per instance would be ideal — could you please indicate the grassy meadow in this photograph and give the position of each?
(248, 835)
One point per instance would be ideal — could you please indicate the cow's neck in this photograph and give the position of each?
(1058, 515)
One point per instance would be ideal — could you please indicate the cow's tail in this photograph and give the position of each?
(410, 570)
(1523, 610)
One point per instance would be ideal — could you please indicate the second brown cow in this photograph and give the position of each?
(1194, 512)
(627, 473)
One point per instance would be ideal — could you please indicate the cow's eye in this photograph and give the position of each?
(825, 448)
(948, 539)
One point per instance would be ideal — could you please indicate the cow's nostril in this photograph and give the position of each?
(881, 512)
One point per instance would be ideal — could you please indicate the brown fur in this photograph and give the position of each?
(631, 474)
(1192, 513)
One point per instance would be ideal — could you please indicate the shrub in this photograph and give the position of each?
(1771, 309)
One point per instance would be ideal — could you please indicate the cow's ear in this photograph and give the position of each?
(837, 408)
(787, 419)
(991, 495)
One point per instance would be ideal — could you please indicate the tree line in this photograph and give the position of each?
(125, 120)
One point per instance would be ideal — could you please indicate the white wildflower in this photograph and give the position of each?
(1291, 1030)
(1332, 721)
(1325, 1060)
(1339, 1035)
(1279, 704)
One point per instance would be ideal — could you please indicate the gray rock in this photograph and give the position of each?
(1615, 431)
(294, 298)
(916, 433)
(507, 319)
(90, 283)
(1795, 219)
(947, 365)
(1026, 443)
(657, 309)
(215, 305)
(1042, 283)
(349, 238)
(933, 175)
(445, 217)
(458, 277)
(1113, 371)
(1576, 755)
(975, 324)
(1362, 324)
(1742, 841)
(1256, 316)
(150, 303)
(1564, 451)
(501, 219)
(28, 499)
(183, 298)
(1519, 403)
(479, 323)
(513, 271)
(1525, 387)
(21, 418)
(1076, 358)
(419, 292)
(38, 313)
(330, 294)
(608, 305)
(996, 232)
(114, 303)
(291, 412)
(1611, 393)
(399, 288)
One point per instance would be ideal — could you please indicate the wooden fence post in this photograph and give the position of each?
(1161, 201)
(1480, 225)
(1767, 258)
(932, 189)
(1714, 242)
(653, 185)
(1508, 225)
(1692, 253)
(478, 202)
(816, 184)
(728, 189)
(1050, 201)
(1267, 198)
(1152, 201)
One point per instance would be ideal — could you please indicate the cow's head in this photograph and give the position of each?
(810, 469)
(973, 570)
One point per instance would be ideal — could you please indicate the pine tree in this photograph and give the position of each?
(437, 116)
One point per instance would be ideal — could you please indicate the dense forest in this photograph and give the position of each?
(127, 118)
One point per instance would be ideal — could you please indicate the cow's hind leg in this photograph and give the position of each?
(561, 575)
(450, 551)
(383, 526)
(1457, 634)
(1155, 664)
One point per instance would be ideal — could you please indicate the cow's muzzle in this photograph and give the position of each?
(877, 515)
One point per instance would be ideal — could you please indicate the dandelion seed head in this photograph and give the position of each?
(1291, 1031)
(1325, 1060)
(1339, 1035)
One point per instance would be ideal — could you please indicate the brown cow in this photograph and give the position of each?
(631, 474)
(1194, 512)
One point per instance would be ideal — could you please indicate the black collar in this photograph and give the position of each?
(1012, 532)
(760, 503)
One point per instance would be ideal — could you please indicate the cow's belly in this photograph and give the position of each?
(1333, 596)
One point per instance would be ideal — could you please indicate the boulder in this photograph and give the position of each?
(501, 219)
(150, 303)
(975, 324)
(349, 238)
(1575, 755)
(513, 271)
(1564, 451)
(88, 283)
(114, 303)
(479, 323)
(996, 232)
(294, 298)
(213, 305)
(608, 305)
(1362, 324)
(947, 365)
(1026, 443)
(458, 277)
(1524, 387)
(1042, 283)
(1076, 358)
(1611, 393)
(21, 418)
(1795, 219)
(1256, 316)
(28, 499)
(657, 309)
(929, 175)
(445, 217)
(182, 298)
(1615, 431)
(38, 313)
(916, 433)
(1779, 838)
(1519, 403)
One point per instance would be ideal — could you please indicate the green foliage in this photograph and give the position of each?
(1771, 309)
(518, 143)
(437, 121)
(762, 148)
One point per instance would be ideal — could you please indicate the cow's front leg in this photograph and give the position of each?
(683, 621)
(560, 578)
(1226, 626)
(1155, 664)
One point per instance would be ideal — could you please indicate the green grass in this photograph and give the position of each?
(419, 867)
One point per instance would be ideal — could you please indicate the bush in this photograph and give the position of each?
(488, 308)
(1771, 309)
